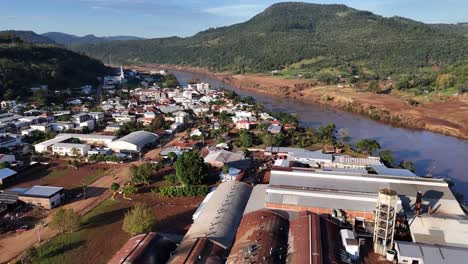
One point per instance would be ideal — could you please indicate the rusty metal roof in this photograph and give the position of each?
(262, 237)
(141, 248)
(314, 239)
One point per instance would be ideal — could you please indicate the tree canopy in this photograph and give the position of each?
(190, 169)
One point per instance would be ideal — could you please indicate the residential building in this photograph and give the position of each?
(181, 117)
(243, 124)
(7, 158)
(220, 157)
(9, 140)
(70, 149)
(8, 104)
(84, 120)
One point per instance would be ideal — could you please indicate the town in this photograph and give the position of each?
(143, 170)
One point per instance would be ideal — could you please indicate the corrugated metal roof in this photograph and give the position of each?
(144, 247)
(138, 138)
(314, 239)
(262, 237)
(41, 191)
(218, 221)
(6, 172)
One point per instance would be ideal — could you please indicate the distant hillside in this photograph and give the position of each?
(336, 37)
(25, 65)
(30, 37)
(67, 39)
(459, 28)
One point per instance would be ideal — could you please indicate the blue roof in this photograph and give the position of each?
(18, 190)
(232, 171)
(381, 169)
(42, 191)
(6, 172)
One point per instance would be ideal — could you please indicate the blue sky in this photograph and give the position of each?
(162, 18)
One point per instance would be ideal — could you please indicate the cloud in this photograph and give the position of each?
(241, 10)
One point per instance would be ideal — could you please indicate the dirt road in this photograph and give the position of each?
(13, 246)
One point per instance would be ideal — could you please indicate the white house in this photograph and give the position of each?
(181, 117)
(70, 149)
(8, 104)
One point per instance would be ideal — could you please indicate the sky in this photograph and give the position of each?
(163, 18)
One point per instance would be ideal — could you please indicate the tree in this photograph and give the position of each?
(172, 156)
(245, 139)
(406, 164)
(139, 220)
(190, 169)
(225, 169)
(344, 135)
(66, 220)
(4, 165)
(327, 133)
(142, 173)
(115, 188)
(367, 146)
(171, 178)
(76, 164)
(387, 157)
(445, 81)
(373, 86)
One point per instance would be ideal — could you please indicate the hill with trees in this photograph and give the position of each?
(25, 65)
(67, 39)
(341, 40)
(29, 37)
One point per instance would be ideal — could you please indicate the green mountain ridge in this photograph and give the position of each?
(30, 37)
(68, 39)
(25, 65)
(333, 36)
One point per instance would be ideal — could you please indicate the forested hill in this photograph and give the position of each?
(67, 39)
(26, 65)
(333, 36)
(29, 37)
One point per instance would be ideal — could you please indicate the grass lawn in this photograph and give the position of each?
(94, 176)
(58, 173)
(90, 241)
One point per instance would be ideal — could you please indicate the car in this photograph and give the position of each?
(22, 229)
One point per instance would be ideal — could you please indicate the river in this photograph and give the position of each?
(439, 155)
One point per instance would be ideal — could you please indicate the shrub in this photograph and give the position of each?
(139, 220)
(66, 220)
(184, 191)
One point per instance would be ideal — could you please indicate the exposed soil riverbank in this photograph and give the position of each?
(449, 117)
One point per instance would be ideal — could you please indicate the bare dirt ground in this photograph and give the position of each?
(60, 174)
(11, 247)
(448, 116)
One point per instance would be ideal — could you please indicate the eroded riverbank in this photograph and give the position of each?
(448, 117)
